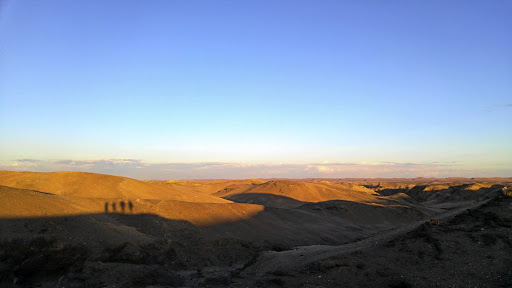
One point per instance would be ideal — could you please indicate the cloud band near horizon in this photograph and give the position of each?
(139, 169)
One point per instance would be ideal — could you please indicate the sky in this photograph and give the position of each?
(248, 89)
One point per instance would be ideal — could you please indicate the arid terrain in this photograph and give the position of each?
(76, 229)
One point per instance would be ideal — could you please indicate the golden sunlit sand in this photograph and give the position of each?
(74, 193)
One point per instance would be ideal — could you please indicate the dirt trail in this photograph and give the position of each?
(294, 260)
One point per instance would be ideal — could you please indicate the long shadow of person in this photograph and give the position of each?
(130, 205)
(106, 207)
(122, 206)
(114, 207)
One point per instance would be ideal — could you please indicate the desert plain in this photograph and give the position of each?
(77, 229)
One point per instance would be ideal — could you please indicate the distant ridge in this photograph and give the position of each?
(311, 192)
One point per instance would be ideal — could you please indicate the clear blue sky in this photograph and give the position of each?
(257, 82)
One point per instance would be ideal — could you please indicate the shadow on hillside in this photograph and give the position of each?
(452, 193)
(50, 248)
(418, 258)
(146, 246)
(267, 200)
(356, 212)
(297, 223)
(330, 222)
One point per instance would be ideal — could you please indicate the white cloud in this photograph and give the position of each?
(138, 169)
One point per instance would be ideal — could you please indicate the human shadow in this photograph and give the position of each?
(122, 204)
(130, 206)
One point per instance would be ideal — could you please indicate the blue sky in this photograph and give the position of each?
(257, 84)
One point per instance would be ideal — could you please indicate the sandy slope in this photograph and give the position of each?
(211, 186)
(289, 194)
(23, 203)
(28, 203)
(91, 185)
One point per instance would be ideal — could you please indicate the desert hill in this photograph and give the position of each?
(442, 195)
(91, 185)
(470, 249)
(289, 194)
(28, 203)
(211, 186)
(61, 229)
(24, 203)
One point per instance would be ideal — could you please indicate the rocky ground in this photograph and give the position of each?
(472, 249)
